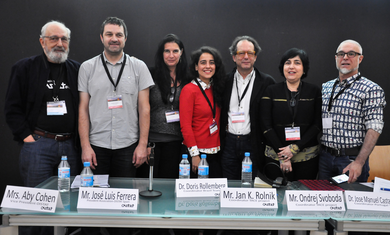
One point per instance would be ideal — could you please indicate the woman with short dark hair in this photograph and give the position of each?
(291, 119)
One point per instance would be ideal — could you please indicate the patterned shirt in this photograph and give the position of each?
(357, 108)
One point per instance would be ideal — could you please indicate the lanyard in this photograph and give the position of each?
(331, 99)
(108, 73)
(293, 112)
(173, 94)
(57, 83)
(205, 96)
(243, 94)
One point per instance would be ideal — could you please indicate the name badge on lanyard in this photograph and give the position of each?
(56, 108)
(213, 128)
(292, 133)
(172, 116)
(237, 117)
(114, 102)
(327, 122)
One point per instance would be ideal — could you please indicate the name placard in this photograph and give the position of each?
(246, 212)
(367, 201)
(199, 187)
(188, 203)
(108, 198)
(33, 199)
(299, 200)
(248, 198)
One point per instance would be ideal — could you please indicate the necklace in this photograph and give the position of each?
(293, 102)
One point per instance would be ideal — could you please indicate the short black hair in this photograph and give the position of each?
(291, 53)
(114, 21)
(233, 47)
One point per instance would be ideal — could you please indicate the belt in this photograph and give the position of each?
(342, 152)
(243, 137)
(57, 137)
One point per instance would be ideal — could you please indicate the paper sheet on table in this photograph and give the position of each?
(381, 185)
(98, 181)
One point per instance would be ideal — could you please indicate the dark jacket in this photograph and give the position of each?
(25, 93)
(262, 81)
(278, 115)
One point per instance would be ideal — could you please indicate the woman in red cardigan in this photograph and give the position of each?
(200, 103)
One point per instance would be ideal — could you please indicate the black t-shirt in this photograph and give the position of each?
(57, 86)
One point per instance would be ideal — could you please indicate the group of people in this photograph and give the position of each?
(109, 108)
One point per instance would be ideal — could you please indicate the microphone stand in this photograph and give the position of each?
(151, 192)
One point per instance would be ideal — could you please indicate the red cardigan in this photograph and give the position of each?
(196, 117)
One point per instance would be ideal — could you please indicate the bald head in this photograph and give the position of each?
(352, 42)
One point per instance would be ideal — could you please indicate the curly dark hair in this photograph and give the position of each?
(291, 53)
(161, 74)
(219, 76)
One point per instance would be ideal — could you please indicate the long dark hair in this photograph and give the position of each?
(219, 76)
(161, 74)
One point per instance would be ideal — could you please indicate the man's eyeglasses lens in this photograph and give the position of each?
(242, 53)
(55, 39)
(350, 54)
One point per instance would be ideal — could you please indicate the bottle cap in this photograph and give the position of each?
(247, 154)
(185, 155)
(87, 164)
(203, 156)
(64, 158)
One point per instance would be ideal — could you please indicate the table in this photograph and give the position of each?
(166, 211)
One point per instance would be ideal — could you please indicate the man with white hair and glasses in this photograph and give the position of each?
(41, 109)
(352, 117)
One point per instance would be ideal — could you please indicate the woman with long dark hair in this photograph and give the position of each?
(200, 103)
(169, 75)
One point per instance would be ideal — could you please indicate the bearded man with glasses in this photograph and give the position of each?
(41, 109)
(352, 117)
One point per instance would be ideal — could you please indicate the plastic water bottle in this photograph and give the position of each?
(203, 168)
(86, 176)
(246, 173)
(64, 175)
(184, 168)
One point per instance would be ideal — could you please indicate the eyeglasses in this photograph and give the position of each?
(241, 54)
(172, 95)
(55, 39)
(350, 54)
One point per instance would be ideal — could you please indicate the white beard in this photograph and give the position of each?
(57, 56)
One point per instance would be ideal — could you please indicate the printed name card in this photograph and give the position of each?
(199, 187)
(248, 198)
(33, 199)
(299, 200)
(187, 203)
(357, 200)
(108, 198)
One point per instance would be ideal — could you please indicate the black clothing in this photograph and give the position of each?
(261, 82)
(26, 90)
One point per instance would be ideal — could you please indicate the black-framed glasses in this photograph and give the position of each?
(350, 54)
(56, 38)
